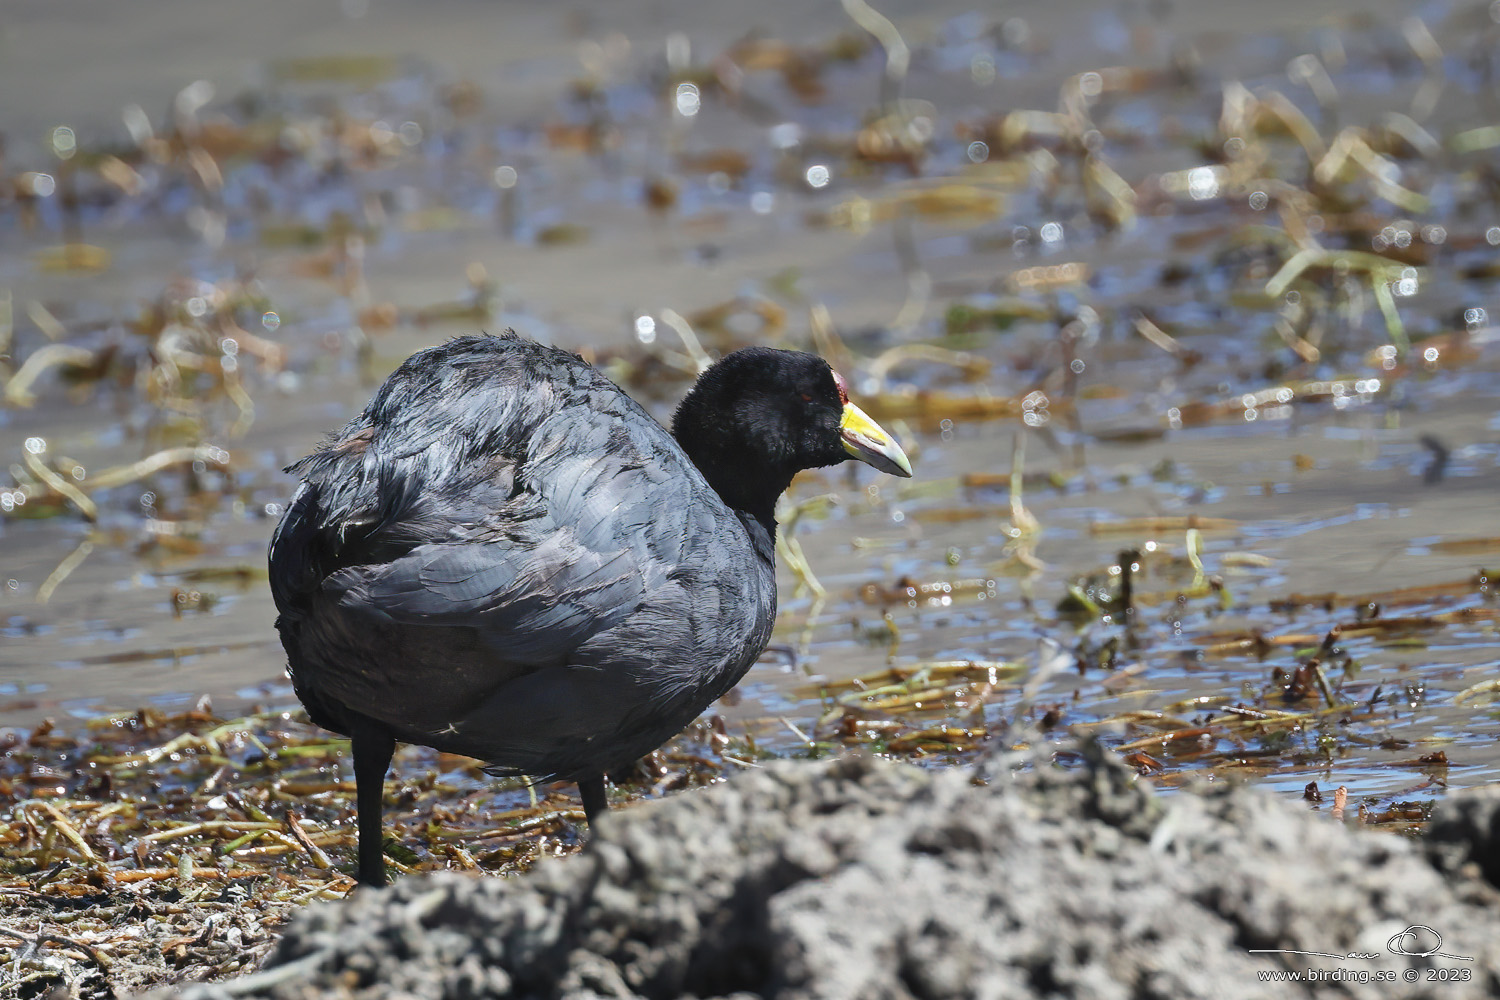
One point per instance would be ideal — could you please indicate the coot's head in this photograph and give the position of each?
(759, 416)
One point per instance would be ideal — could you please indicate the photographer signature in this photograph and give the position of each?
(1416, 941)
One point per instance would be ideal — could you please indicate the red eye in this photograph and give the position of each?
(806, 397)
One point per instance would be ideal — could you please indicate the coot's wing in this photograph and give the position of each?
(541, 574)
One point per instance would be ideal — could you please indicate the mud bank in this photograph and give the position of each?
(861, 878)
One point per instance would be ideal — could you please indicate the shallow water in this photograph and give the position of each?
(1326, 492)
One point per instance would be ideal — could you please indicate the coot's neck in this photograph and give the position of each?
(742, 484)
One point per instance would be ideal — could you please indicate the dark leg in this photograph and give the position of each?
(373, 747)
(594, 802)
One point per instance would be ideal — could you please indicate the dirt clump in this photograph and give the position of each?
(856, 877)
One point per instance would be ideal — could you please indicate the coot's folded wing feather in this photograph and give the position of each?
(530, 606)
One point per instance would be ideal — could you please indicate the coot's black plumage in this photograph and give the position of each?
(505, 557)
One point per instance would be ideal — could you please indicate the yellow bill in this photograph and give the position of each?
(867, 441)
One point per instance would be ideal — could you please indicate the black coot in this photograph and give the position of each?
(505, 557)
